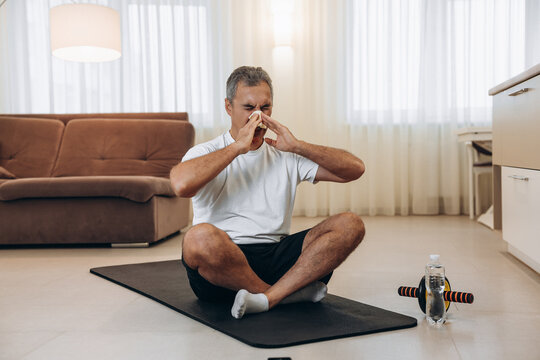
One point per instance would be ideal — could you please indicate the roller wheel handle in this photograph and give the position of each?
(458, 296)
(454, 296)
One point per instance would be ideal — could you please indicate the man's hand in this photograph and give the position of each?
(334, 164)
(285, 140)
(246, 134)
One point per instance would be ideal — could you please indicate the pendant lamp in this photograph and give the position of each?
(85, 33)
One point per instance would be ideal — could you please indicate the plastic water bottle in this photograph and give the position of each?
(435, 306)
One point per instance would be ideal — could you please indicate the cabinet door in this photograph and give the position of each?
(521, 211)
(516, 125)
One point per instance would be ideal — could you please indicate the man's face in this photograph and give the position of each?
(247, 100)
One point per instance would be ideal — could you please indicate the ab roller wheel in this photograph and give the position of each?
(449, 295)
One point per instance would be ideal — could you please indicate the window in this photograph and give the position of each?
(165, 65)
(437, 55)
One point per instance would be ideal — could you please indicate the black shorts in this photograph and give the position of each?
(269, 261)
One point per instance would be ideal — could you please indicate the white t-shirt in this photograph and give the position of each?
(253, 197)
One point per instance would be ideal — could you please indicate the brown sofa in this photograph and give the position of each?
(91, 178)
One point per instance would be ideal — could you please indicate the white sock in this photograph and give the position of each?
(315, 292)
(247, 303)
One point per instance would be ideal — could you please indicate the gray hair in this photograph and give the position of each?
(250, 76)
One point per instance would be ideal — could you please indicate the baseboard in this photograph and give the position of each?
(524, 258)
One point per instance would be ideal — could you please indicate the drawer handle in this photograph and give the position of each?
(519, 92)
(519, 177)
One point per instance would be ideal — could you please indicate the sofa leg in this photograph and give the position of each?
(130, 245)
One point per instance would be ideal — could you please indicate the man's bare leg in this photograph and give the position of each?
(325, 247)
(211, 252)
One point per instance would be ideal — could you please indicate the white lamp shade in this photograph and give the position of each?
(85, 32)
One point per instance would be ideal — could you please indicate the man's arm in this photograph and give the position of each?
(188, 177)
(334, 164)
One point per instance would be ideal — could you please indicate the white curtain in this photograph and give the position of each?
(417, 71)
(388, 80)
(391, 81)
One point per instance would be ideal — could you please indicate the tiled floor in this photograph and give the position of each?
(51, 307)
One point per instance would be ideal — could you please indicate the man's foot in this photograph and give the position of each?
(315, 292)
(247, 303)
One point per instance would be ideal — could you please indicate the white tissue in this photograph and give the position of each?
(258, 112)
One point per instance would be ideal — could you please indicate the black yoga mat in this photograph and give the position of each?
(285, 325)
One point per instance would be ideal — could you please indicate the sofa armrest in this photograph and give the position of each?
(135, 188)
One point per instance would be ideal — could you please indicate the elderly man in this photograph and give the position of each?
(243, 188)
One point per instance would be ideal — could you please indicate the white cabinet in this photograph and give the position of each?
(516, 125)
(516, 164)
(521, 213)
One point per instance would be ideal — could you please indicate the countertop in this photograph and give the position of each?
(525, 75)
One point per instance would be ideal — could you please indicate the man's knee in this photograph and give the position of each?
(353, 225)
(199, 242)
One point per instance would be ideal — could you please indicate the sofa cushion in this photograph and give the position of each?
(28, 147)
(123, 147)
(4, 174)
(135, 188)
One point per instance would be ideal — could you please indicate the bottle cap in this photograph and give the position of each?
(434, 258)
